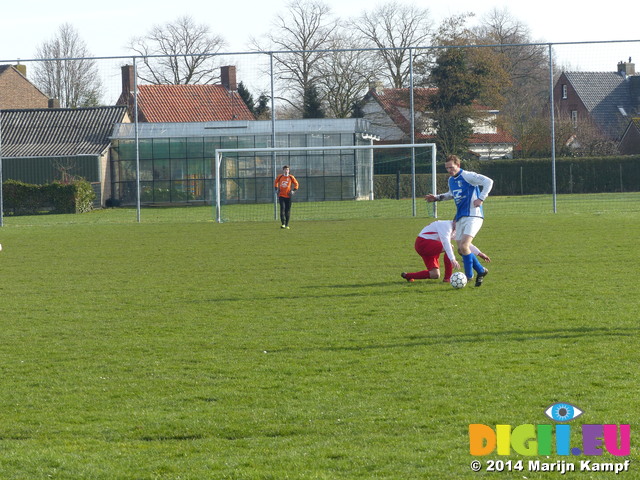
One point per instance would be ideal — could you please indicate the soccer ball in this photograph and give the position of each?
(458, 280)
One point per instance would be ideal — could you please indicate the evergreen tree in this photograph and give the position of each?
(259, 109)
(262, 110)
(463, 78)
(451, 103)
(247, 98)
(312, 107)
(357, 110)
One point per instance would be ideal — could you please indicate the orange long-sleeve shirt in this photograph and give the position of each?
(285, 184)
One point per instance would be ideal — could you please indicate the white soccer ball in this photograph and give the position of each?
(458, 280)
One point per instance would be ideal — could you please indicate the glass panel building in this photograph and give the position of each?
(177, 162)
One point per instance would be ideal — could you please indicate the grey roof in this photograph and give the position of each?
(608, 98)
(52, 132)
(241, 128)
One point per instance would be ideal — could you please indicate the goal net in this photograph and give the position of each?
(336, 182)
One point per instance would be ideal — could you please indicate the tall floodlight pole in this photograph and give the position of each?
(413, 135)
(218, 160)
(434, 179)
(371, 171)
(553, 133)
(135, 122)
(273, 137)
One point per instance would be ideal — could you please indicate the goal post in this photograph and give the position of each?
(220, 152)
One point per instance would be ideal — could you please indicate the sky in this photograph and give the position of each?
(106, 27)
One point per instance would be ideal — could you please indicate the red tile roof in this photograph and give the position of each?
(393, 99)
(190, 103)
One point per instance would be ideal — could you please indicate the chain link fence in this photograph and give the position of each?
(562, 120)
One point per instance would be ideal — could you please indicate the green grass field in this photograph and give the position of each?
(179, 348)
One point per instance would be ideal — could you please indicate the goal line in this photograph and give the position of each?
(219, 155)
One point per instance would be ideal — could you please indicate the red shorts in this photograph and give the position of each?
(430, 251)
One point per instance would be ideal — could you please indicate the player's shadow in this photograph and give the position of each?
(345, 286)
(497, 336)
(389, 283)
(311, 291)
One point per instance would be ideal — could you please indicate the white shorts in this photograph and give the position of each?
(468, 226)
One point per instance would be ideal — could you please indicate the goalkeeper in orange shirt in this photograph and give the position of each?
(286, 185)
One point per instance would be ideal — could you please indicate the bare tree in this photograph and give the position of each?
(453, 30)
(529, 125)
(582, 138)
(66, 72)
(346, 75)
(394, 28)
(524, 60)
(299, 42)
(572, 138)
(526, 64)
(178, 52)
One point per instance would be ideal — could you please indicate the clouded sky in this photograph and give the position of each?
(106, 27)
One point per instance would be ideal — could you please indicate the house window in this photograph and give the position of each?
(574, 118)
(564, 92)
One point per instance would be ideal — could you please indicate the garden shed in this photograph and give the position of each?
(44, 145)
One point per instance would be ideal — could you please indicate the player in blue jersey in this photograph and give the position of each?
(469, 190)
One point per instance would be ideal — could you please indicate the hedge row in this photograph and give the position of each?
(399, 185)
(529, 177)
(573, 175)
(25, 199)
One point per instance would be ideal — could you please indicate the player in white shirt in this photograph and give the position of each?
(432, 240)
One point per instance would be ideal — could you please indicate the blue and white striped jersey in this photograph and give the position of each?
(464, 188)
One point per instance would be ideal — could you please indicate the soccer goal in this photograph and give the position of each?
(330, 177)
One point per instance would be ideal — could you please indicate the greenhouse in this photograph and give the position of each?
(176, 160)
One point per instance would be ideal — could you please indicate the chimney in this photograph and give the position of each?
(228, 77)
(375, 86)
(53, 103)
(626, 68)
(22, 69)
(128, 80)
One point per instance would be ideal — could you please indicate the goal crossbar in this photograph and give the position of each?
(219, 152)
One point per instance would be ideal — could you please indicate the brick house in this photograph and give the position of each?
(16, 91)
(186, 103)
(607, 100)
(630, 141)
(388, 110)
